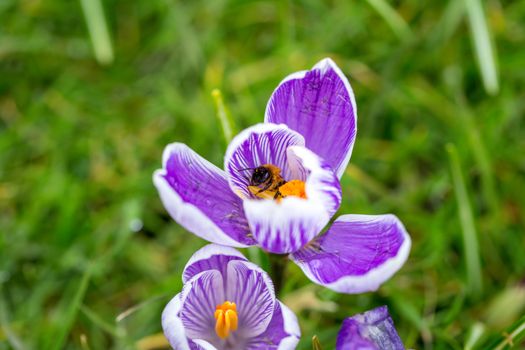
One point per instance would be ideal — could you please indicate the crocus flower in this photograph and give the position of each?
(227, 303)
(280, 187)
(372, 330)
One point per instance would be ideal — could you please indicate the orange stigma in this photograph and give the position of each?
(226, 316)
(293, 188)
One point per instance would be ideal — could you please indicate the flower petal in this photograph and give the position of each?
(372, 330)
(196, 194)
(258, 145)
(200, 344)
(322, 183)
(251, 289)
(282, 333)
(320, 105)
(174, 329)
(172, 325)
(199, 298)
(357, 254)
(210, 257)
(286, 226)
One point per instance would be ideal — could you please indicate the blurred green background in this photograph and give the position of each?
(90, 93)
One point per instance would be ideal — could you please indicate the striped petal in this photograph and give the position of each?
(282, 333)
(357, 253)
(251, 289)
(372, 330)
(320, 105)
(210, 257)
(199, 298)
(174, 329)
(258, 145)
(197, 195)
(286, 226)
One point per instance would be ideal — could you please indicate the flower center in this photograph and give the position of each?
(293, 188)
(226, 319)
(266, 182)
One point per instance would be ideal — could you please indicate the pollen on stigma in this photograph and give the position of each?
(226, 319)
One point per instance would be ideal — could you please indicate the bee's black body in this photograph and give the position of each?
(267, 178)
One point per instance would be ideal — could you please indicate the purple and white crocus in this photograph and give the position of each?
(372, 330)
(308, 134)
(227, 303)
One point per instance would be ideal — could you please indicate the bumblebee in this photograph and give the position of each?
(265, 182)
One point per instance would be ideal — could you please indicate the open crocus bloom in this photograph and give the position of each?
(372, 330)
(227, 303)
(280, 187)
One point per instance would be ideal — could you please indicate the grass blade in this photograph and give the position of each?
(71, 313)
(510, 338)
(474, 335)
(137, 307)
(12, 339)
(222, 115)
(484, 51)
(448, 23)
(316, 344)
(392, 18)
(100, 322)
(98, 30)
(470, 240)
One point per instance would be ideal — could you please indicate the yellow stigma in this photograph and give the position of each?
(293, 188)
(226, 316)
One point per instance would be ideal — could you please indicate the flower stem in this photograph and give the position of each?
(278, 264)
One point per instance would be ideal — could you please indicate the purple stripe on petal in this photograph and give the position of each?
(285, 226)
(357, 254)
(210, 257)
(200, 297)
(251, 289)
(282, 333)
(258, 145)
(372, 330)
(197, 195)
(320, 105)
(174, 329)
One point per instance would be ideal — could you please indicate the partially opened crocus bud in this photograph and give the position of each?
(372, 330)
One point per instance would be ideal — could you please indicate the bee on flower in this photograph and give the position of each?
(280, 188)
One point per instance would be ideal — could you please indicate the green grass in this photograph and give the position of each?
(88, 255)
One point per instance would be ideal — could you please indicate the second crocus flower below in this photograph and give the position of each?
(227, 303)
(371, 330)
